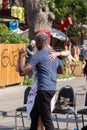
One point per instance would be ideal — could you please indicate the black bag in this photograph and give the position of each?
(84, 128)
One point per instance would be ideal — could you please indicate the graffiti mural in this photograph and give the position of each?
(8, 61)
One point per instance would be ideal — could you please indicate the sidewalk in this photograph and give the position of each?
(12, 97)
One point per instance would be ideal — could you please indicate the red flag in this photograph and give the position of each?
(68, 21)
(61, 26)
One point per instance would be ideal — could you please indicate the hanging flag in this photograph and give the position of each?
(68, 21)
(61, 26)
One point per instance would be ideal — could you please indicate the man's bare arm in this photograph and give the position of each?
(23, 69)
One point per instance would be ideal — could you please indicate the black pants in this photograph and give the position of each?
(42, 108)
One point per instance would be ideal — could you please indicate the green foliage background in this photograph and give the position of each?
(7, 36)
(76, 9)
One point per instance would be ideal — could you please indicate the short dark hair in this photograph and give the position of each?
(41, 37)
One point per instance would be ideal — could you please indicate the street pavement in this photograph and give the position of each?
(11, 97)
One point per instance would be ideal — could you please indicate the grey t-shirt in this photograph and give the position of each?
(46, 69)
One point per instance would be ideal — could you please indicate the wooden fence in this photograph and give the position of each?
(8, 61)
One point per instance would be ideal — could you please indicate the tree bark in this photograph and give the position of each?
(39, 17)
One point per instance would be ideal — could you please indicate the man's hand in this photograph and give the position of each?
(22, 52)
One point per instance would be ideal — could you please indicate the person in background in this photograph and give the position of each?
(54, 55)
(70, 58)
(85, 69)
(76, 52)
(31, 49)
(46, 75)
(64, 54)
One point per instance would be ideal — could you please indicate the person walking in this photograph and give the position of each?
(46, 76)
(85, 69)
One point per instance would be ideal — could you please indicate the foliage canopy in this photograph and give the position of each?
(76, 9)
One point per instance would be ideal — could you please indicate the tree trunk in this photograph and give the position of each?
(38, 16)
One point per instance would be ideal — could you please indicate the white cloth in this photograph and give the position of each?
(52, 103)
(31, 98)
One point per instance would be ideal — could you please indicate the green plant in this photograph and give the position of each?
(28, 81)
(64, 61)
(66, 73)
(62, 76)
(8, 36)
(3, 27)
